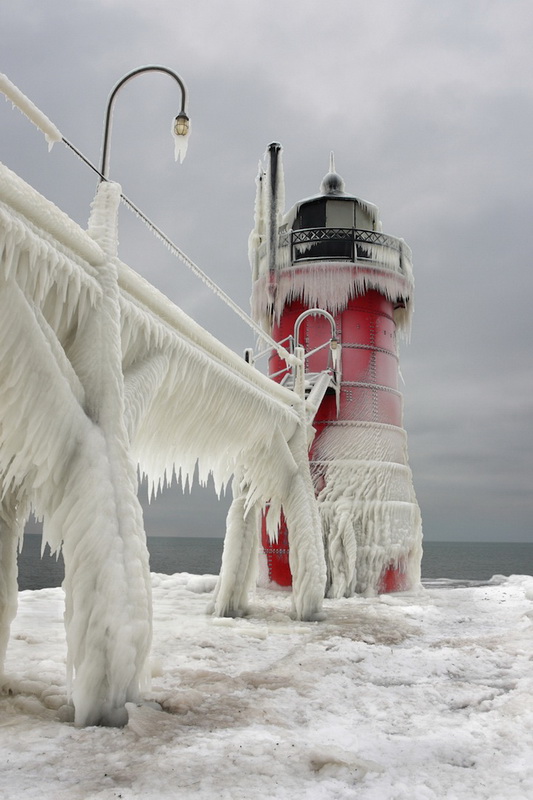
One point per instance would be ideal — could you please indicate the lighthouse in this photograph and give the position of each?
(324, 275)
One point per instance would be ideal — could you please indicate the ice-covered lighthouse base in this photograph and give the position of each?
(370, 518)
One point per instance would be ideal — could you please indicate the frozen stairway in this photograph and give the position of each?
(316, 385)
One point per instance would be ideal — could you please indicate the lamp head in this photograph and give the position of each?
(181, 124)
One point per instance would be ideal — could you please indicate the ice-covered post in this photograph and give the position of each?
(107, 578)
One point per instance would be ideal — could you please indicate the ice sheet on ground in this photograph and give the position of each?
(425, 695)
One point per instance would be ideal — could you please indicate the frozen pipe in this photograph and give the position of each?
(274, 150)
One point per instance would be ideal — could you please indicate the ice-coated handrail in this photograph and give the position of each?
(34, 114)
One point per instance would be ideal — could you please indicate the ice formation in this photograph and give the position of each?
(35, 115)
(64, 447)
(370, 517)
(181, 143)
(99, 373)
(318, 287)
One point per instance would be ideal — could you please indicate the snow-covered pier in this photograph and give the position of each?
(101, 374)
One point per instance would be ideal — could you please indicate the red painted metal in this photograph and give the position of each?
(393, 579)
(277, 554)
(368, 392)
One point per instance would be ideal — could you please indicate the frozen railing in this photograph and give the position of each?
(305, 383)
(345, 244)
(253, 358)
(350, 245)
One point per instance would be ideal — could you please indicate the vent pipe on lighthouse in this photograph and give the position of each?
(275, 198)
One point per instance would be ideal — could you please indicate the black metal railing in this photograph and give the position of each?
(346, 244)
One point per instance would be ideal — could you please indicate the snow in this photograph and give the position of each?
(419, 696)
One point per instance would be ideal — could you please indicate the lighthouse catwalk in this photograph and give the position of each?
(329, 253)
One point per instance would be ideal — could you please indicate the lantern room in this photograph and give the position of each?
(333, 225)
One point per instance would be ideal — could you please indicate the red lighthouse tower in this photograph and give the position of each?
(329, 253)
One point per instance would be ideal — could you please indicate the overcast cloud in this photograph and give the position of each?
(429, 109)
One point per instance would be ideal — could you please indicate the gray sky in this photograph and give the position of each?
(429, 110)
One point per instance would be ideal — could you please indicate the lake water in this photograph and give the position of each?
(458, 561)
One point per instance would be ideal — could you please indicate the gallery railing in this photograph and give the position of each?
(345, 244)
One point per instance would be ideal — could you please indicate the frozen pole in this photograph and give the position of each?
(273, 204)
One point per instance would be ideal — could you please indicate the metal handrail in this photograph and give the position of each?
(354, 241)
(359, 235)
(298, 370)
(286, 342)
(315, 312)
(320, 347)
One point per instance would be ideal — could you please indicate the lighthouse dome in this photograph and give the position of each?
(327, 220)
(332, 183)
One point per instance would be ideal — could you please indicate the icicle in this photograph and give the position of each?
(366, 480)
(181, 143)
(257, 234)
(306, 553)
(103, 221)
(329, 286)
(43, 219)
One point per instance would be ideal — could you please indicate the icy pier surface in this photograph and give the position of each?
(406, 696)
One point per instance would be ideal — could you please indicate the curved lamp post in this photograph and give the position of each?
(180, 126)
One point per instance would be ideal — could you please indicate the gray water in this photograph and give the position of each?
(457, 561)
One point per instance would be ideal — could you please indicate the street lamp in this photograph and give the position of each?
(180, 126)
